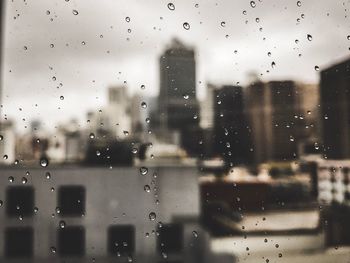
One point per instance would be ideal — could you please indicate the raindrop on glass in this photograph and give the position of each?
(171, 6)
(44, 162)
(186, 26)
(147, 188)
(143, 170)
(144, 105)
(53, 250)
(62, 224)
(134, 150)
(152, 216)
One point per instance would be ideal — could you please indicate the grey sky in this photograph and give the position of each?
(87, 70)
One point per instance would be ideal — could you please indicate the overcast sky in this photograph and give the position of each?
(112, 55)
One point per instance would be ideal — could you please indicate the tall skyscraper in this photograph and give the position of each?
(335, 104)
(231, 131)
(178, 105)
(273, 117)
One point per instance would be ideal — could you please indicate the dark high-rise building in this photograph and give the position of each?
(178, 105)
(335, 104)
(273, 117)
(231, 131)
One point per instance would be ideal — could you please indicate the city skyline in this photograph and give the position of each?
(76, 66)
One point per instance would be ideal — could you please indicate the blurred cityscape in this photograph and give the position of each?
(272, 157)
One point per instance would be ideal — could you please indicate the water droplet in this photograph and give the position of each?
(25, 47)
(11, 179)
(134, 150)
(148, 120)
(52, 45)
(24, 180)
(5, 157)
(171, 6)
(186, 96)
(273, 64)
(147, 188)
(152, 216)
(1, 137)
(143, 86)
(92, 136)
(1, 203)
(44, 162)
(47, 175)
(348, 37)
(195, 234)
(62, 224)
(127, 19)
(186, 26)
(48, 12)
(143, 170)
(83, 43)
(61, 97)
(317, 68)
(299, 3)
(75, 12)
(36, 210)
(309, 37)
(144, 105)
(53, 250)
(164, 255)
(252, 4)
(223, 23)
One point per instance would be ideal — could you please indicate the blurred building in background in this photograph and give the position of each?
(335, 99)
(273, 115)
(7, 143)
(231, 131)
(177, 103)
(309, 130)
